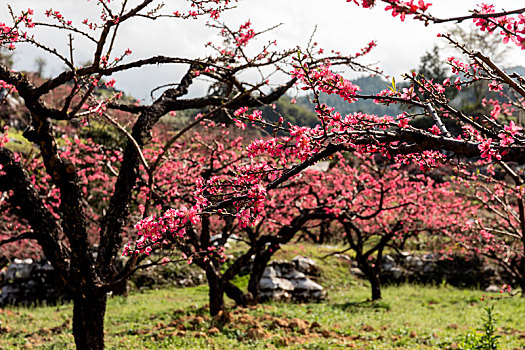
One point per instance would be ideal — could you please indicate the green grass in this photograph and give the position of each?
(18, 143)
(408, 317)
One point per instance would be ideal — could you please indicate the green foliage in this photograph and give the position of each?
(293, 113)
(17, 142)
(431, 66)
(487, 340)
(104, 134)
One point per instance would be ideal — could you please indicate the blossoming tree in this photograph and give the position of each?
(375, 204)
(242, 195)
(493, 139)
(497, 231)
(88, 190)
(62, 229)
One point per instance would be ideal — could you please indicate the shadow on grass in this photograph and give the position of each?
(362, 305)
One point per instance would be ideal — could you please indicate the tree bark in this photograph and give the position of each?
(216, 292)
(376, 286)
(259, 264)
(88, 320)
(372, 274)
(236, 294)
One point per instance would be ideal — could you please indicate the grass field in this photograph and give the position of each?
(408, 317)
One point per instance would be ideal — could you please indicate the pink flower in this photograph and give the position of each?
(435, 130)
(110, 83)
(513, 128)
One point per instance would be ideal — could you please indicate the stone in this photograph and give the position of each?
(396, 272)
(458, 271)
(493, 289)
(269, 272)
(273, 283)
(305, 265)
(356, 271)
(294, 275)
(388, 259)
(284, 280)
(276, 294)
(306, 284)
(28, 282)
(429, 267)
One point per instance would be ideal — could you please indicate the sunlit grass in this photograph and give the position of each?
(408, 317)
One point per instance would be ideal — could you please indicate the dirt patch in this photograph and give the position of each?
(264, 325)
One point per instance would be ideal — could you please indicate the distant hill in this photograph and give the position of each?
(468, 99)
(517, 69)
(370, 85)
(294, 113)
(302, 113)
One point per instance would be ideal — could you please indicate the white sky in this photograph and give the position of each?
(341, 26)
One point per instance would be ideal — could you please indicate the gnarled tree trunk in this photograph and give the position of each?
(88, 320)
(216, 291)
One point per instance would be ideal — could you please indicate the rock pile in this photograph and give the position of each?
(289, 280)
(459, 271)
(25, 282)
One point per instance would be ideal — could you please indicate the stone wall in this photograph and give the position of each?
(458, 271)
(28, 282)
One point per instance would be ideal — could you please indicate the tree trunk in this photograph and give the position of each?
(520, 276)
(372, 275)
(216, 292)
(259, 264)
(88, 321)
(235, 293)
(375, 285)
(253, 284)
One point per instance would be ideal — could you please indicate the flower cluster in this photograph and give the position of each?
(511, 28)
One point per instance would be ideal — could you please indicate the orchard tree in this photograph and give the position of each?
(381, 206)
(497, 231)
(377, 205)
(62, 230)
(373, 204)
(496, 139)
(213, 155)
(75, 197)
(492, 139)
